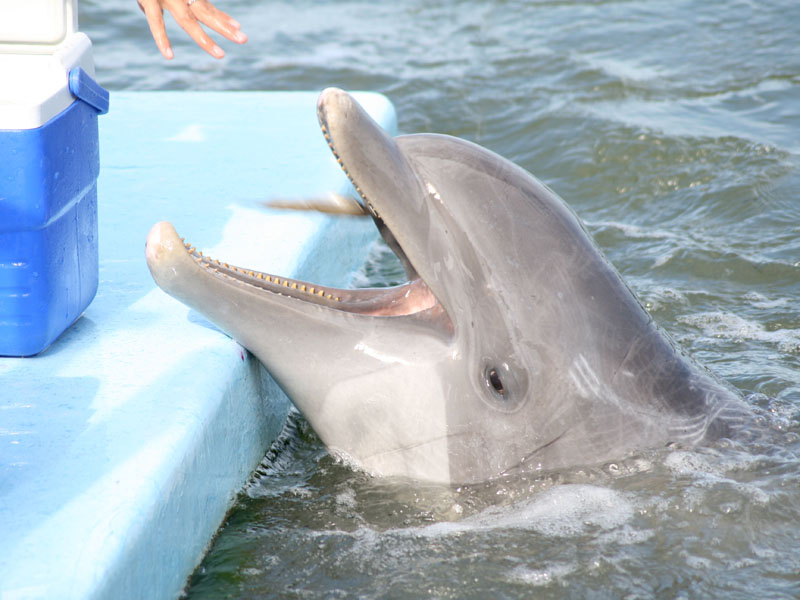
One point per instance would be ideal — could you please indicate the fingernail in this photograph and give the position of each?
(217, 52)
(169, 54)
(235, 23)
(240, 37)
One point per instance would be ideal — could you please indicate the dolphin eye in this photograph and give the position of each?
(503, 384)
(493, 381)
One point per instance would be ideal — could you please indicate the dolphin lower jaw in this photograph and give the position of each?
(408, 299)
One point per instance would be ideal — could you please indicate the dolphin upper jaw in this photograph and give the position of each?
(396, 191)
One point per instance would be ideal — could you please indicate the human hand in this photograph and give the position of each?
(189, 14)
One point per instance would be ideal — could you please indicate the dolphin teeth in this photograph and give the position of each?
(225, 270)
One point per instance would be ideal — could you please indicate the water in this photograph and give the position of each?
(673, 129)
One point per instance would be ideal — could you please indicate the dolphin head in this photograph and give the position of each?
(513, 345)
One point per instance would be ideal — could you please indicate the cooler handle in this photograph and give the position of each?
(87, 89)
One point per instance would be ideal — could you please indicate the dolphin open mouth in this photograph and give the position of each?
(164, 248)
(409, 298)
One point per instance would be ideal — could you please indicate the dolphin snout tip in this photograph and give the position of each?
(160, 241)
(332, 98)
(328, 94)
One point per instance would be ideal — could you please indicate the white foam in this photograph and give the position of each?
(662, 260)
(625, 69)
(760, 301)
(728, 326)
(660, 297)
(689, 463)
(542, 577)
(709, 472)
(347, 499)
(562, 511)
(636, 232)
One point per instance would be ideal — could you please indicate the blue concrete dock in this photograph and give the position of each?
(124, 444)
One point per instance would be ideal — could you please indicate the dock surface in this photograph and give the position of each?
(124, 444)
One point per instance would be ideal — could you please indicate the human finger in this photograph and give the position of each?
(213, 18)
(184, 16)
(155, 20)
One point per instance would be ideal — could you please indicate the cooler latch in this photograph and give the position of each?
(88, 90)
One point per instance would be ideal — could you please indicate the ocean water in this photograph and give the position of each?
(673, 130)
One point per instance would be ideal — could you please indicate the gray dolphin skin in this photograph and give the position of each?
(514, 345)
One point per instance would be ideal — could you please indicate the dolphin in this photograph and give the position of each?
(513, 346)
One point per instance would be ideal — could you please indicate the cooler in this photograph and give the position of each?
(49, 163)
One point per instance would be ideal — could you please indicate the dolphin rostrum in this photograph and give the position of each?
(514, 345)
